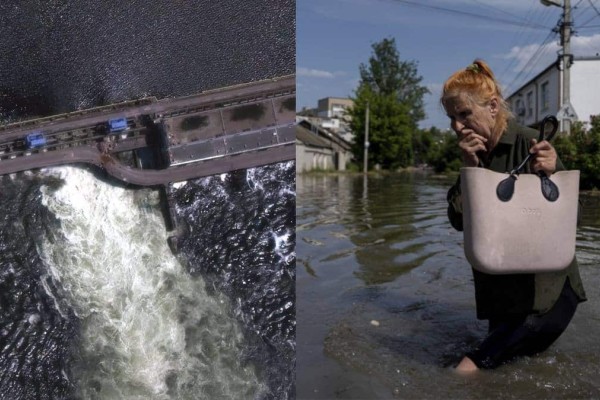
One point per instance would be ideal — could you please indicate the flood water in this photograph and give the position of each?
(385, 299)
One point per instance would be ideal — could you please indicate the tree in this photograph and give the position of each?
(448, 157)
(581, 150)
(427, 145)
(392, 90)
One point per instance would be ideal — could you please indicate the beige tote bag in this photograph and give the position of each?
(525, 234)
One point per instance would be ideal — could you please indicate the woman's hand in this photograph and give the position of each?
(545, 157)
(470, 143)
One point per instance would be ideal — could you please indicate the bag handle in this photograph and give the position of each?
(553, 122)
(506, 187)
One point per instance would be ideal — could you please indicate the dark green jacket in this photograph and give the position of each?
(514, 294)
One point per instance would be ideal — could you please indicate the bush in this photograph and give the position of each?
(581, 150)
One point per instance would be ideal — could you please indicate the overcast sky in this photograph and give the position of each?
(514, 36)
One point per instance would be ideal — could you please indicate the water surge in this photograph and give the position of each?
(148, 328)
(241, 238)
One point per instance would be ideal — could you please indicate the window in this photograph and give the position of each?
(519, 109)
(530, 104)
(545, 97)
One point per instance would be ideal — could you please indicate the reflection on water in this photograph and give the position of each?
(385, 299)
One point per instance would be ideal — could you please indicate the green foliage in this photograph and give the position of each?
(566, 150)
(581, 150)
(391, 90)
(353, 167)
(444, 154)
(424, 143)
(386, 75)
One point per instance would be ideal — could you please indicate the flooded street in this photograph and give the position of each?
(385, 298)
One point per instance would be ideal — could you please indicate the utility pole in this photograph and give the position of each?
(566, 113)
(565, 38)
(366, 153)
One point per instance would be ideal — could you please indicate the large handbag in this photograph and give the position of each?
(519, 223)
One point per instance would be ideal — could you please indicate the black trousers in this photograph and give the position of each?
(526, 335)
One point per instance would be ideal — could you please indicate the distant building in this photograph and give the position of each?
(318, 148)
(334, 107)
(308, 112)
(331, 115)
(542, 95)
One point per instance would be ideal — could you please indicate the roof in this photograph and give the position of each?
(326, 135)
(587, 58)
(336, 98)
(553, 65)
(311, 139)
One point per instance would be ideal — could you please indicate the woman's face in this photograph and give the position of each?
(466, 115)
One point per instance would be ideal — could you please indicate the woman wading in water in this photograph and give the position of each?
(526, 312)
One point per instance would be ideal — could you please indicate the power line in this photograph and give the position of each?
(522, 39)
(541, 49)
(577, 12)
(474, 15)
(501, 10)
(532, 60)
(593, 17)
(587, 22)
(594, 7)
(529, 64)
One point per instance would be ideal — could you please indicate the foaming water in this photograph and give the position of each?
(148, 328)
(241, 237)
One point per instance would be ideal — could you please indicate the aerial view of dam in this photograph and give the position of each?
(147, 179)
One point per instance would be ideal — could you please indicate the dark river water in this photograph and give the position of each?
(385, 299)
(93, 304)
(62, 55)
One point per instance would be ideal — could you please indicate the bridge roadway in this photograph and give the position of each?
(210, 99)
(91, 155)
(99, 155)
(144, 177)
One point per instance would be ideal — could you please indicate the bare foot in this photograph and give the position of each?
(466, 366)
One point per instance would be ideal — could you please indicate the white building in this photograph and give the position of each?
(331, 114)
(542, 95)
(334, 107)
(319, 149)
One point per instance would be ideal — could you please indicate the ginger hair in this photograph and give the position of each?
(478, 85)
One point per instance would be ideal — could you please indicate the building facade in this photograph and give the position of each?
(331, 115)
(542, 95)
(319, 149)
(333, 107)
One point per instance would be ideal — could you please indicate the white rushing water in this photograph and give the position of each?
(149, 329)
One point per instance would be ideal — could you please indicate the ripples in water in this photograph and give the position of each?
(246, 249)
(384, 291)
